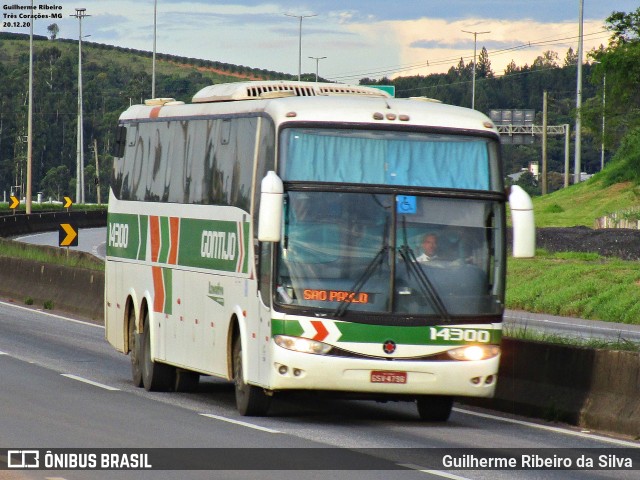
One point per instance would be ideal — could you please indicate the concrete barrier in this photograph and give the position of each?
(78, 291)
(594, 389)
(591, 388)
(21, 224)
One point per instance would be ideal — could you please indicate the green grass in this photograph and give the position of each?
(582, 285)
(46, 207)
(53, 255)
(583, 203)
(522, 333)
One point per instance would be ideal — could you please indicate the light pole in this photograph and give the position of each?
(153, 61)
(604, 107)
(473, 84)
(30, 119)
(80, 14)
(300, 17)
(578, 154)
(317, 59)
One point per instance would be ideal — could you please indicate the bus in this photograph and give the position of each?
(270, 234)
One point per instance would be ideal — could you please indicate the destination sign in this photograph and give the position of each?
(337, 296)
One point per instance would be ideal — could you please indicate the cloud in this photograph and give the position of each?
(433, 45)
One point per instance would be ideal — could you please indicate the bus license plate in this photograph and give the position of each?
(388, 377)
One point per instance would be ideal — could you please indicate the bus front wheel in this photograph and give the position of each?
(250, 400)
(156, 377)
(435, 408)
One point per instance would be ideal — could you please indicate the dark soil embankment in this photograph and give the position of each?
(611, 242)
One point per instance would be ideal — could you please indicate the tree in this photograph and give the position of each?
(53, 30)
(620, 62)
(529, 183)
(511, 68)
(624, 26)
(571, 58)
(56, 181)
(548, 59)
(483, 66)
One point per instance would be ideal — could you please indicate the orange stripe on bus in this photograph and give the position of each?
(240, 247)
(174, 224)
(154, 230)
(158, 289)
(155, 111)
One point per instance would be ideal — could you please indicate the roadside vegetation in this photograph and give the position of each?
(583, 285)
(523, 333)
(588, 285)
(54, 255)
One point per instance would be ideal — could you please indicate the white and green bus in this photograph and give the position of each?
(270, 234)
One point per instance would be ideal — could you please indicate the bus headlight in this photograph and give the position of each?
(304, 345)
(474, 352)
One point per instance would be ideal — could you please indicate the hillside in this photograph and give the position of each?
(582, 204)
(114, 78)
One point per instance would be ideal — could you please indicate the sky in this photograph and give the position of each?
(359, 38)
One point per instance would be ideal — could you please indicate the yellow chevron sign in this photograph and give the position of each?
(15, 201)
(68, 235)
(67, 202)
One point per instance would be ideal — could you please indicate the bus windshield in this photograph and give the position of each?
(389, 158)
(381, 253)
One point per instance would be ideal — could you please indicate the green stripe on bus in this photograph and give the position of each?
(366, 333)
(245, 264)
(165, 240)
(143, 228)
(210, 244)
(167, 276)
(122, 235)
(286, 327)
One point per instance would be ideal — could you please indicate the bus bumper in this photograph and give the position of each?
(292, 370)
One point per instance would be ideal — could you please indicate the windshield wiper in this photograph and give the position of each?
(426, 287)
(362, 280)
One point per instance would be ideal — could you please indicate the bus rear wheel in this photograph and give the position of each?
(434, 408)
(156, 377)
(250, 400)
(135, 351)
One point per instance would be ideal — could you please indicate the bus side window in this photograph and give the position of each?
(120, 142)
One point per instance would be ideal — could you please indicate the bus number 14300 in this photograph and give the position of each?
(449, 334)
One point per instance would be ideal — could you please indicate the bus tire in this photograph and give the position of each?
(186, 380)
(251, 401)
(135, 351)
(434, 408)
(156, 377)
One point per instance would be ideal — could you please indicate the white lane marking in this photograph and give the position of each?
(4, 353)
(21, 238)
(59, 317)
(90, 382)
(437, 473)
(563, 431)
(564, 324)
(238, 422)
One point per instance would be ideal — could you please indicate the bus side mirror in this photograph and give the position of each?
(524, 227)
(271, 206)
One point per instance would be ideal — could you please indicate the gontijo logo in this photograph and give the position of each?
(218, 245)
